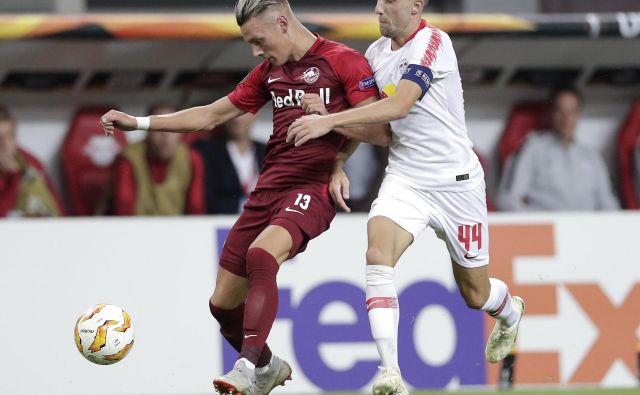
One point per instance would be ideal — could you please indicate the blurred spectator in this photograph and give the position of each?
(25, 188)
(232, 164)
(365, 169)
(159, 176)
(555, 172)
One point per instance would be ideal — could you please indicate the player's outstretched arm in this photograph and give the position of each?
(194, 119)
(379, 112)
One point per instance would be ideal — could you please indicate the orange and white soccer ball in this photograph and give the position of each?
(104, 334)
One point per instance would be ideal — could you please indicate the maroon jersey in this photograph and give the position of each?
(342, 77)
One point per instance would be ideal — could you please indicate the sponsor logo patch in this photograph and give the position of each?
(366, 83)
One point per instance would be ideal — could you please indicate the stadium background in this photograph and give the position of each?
(578, 271)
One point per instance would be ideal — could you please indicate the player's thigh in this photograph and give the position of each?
(460, 220)
(275, 240)
(231, 290)
(398, 215)
(304, 213)
(254, 220)
(387, 241)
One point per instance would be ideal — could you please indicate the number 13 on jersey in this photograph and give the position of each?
(302, 201)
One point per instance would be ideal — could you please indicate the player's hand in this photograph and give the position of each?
(117, 120)
(339, 188)
(312, 103)
(307, 128)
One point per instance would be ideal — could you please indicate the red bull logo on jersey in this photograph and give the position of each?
(310, 75)
(294, 98)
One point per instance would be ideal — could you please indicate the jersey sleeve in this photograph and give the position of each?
(250, 93)
(431, 57)
(433, 49)
(356, 76)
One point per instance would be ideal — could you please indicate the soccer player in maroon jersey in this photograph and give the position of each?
(301, 73)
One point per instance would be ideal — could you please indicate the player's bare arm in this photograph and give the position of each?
(377, 112)
(312, 103)
(190, 120)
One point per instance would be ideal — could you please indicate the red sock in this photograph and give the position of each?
(231, 329)
(262, 303)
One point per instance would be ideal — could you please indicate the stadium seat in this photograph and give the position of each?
(628, 137)
(524, 118)
(87, 155)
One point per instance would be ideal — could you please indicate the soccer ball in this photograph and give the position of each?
(104, 334)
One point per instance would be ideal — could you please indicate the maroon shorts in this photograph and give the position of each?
(305, 212)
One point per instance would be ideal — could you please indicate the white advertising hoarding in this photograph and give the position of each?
(576, 272)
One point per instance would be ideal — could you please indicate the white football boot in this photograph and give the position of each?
(389, 382)
(277, 373)
(238, 381)
(503, 338)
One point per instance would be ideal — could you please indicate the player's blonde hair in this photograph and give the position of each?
(247, 9)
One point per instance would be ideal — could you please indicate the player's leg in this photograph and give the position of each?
(491, 295)
(397, 217)
(227, 307)
(227, 303)
(386, 243)
(298, 216)
(460, 219)
(263, 259)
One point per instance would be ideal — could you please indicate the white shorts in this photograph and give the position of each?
(458, 218)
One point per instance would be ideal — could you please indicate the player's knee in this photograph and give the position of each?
(224, 300)
(215, 310)
(473, 298)
(219, 310)
(260, 263)
(376, 256)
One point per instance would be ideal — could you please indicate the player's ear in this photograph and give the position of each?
(283, 22)
(418, 6)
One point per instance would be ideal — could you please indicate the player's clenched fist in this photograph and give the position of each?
(117, 120)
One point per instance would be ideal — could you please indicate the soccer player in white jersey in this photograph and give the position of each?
(433, 179)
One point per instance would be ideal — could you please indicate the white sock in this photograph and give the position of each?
(499, 304)
(384, 312)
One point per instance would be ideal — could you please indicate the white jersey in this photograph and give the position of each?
(430, 149)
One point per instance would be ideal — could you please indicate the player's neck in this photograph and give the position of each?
(408, 33)
(303, 40)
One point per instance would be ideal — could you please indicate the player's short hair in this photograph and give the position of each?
(247, 9)
(5, 114)
(565, 88)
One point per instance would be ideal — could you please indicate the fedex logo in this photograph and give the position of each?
(294, 97)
